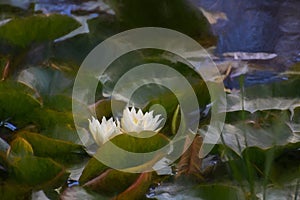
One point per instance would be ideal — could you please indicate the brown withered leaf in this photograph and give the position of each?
(190, 162)
(5, 71)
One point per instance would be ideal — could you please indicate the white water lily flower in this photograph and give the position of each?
(133, 121)
(104, 131)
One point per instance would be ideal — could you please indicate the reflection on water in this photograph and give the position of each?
(241, 26)
(256, 26)
(66, 7)
(253, 78)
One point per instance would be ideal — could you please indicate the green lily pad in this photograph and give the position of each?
(20, 107)
(178, 15)
(262, 129)
(143, 153)
(153, 93)
(55, 120)
(127, 186)
(20, 147)
(285, 168)
(139, 145)
(128, 143)
(103, 107)
(45, 81)
(212, 192)
(49, 147)
(276, 165)
(138, 189)
(38, 28)
(283, 95)
(17, 102)
(72, 51)
(64, 152)
(93, 169)
(12, 191)
(37, 172)
(60, 102)
(111, 182)
(49, 120)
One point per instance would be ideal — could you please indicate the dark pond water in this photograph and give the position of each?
(244, 26)
(257, 26)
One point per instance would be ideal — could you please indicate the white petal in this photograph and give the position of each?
(140, 114)
(104, 131)
(136, 121)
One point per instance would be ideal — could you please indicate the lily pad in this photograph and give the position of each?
(45, 81)
(139, 145)
(262, 129)
(12, 191)
(283, 95)
(16, 102)
(128, 143)
(93, 169)
(49, 147)
(60, 102)
(38, 28)
(195, 192)
(178, 15)
(276, 165)
(20, 147)
(211, 192)
(103, 107)
(138, 189)
(72, 51)
(286, 166)
(37, 172)
(47, 118)
(4, 146)
(149, 92)
(106, 182)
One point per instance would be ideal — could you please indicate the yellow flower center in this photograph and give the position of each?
(135, 120)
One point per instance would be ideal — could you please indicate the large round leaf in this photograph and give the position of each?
(49, 147)
(38, 28)
(37, 172)
(16, 102)
(128, 143)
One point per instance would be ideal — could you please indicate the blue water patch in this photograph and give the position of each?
(253, 78)
(8, 125)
